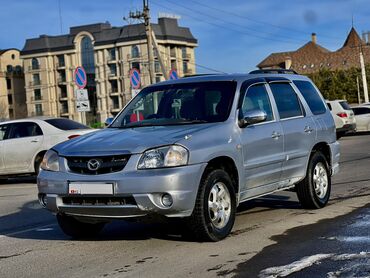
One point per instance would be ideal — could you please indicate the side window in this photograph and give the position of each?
(4, 131)
(257, 98)
(287, 101)
(329, 106)
(21, 130)
(311, 96)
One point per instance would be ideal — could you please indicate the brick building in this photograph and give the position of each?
(312, 57)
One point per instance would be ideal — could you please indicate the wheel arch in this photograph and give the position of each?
(324, 148)
(39, 155)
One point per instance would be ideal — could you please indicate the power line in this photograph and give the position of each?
(228, 28)
(258, 21)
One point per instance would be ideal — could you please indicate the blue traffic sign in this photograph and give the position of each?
(173, 74)
(135, 78)
(80, 77)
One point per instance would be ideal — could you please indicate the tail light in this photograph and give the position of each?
(73, 136)
(342, 115)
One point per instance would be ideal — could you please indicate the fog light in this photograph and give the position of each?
(167, 200)
(43, 200)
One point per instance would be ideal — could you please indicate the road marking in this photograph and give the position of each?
(28, 230)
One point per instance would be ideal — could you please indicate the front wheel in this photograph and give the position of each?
(77, 229)
(314, 191)
(214, 212)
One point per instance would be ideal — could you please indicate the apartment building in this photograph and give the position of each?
(107, 54)
(12, 92)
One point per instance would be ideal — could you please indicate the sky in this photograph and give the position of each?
(233, 35)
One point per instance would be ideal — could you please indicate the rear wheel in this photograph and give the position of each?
(314, 191)
(214, 212)
(77, 229)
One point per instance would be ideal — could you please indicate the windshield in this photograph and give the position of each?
(65, 124)
(187, 103)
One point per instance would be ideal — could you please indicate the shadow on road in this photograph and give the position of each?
(40, 224)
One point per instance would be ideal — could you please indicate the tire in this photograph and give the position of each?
(313, 193)
(77, 229)
(206, 224)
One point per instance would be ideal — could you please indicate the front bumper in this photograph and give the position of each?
(146, 187)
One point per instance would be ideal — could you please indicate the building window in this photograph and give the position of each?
(35, 64)
(8, 83)
(61, 62)
(38, 109)
(87, 55)
(10, 99)
(304, 66)
(36, 79)
(185, 67)
(13, 57)
(157, 79)
(64, 107)
(157, 67)
(115, 103)
(312, 65)
(135, 65)
(135, 51)
(9, 68)
(62, 76)
(183, 52)
(37, 94)
(173, 52)
(113, 70)
(112, 54)
(173, 65)
(113, 86)
(18, 69)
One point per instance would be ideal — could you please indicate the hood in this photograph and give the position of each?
(126, 141)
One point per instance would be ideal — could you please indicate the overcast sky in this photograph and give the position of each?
(233, 35)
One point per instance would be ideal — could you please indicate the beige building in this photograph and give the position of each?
(107, 54)
(12, 92)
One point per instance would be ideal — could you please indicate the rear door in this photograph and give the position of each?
(362, 115)
(23, 143)
(299, 130)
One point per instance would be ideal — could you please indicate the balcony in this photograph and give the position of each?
(31, 68)
(34, 83)
(60, 65)
(38, 113)
(186, 56)
(35, 99)
(111, 59)
(113, 91)
(129, 57)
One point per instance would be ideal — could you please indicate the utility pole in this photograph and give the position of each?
(358, 90)
(363, 73)
(145, 14)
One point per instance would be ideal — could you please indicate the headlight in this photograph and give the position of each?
(170, 156)
(50, 162)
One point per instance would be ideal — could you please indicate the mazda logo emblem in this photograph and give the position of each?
(93, 164)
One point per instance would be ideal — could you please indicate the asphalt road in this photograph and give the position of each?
(272, 236)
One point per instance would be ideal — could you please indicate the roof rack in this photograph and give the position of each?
(280, 71)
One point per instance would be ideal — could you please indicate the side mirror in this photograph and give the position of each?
(252, 117)
(108, 121)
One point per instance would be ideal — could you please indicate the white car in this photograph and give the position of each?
(362, 115)
(24, 142)
(343, 116)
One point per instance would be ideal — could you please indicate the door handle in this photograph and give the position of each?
(308, 129)
(35, 140)
(275, 135)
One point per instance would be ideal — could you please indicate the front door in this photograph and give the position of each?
(262, 143)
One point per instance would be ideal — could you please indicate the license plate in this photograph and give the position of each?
(77, 188)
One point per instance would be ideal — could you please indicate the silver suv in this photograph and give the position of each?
(195, 149)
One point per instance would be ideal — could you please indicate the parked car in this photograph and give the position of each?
(362, 116)
(24, 142)
(343, 115)
(196, 148)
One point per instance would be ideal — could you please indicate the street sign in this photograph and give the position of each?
(173, 75)
(83, 106)
(135, 78)
(80, 77)
(82, 95)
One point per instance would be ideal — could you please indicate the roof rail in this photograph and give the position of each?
(281, 71)
(200, 74)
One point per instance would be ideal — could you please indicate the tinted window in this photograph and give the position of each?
(4, 131)
(345, 105)
(257, 98)
(361, 110)
(20, 130)
(286, 99)
(65, 124)
(329, 105)
(311, 96)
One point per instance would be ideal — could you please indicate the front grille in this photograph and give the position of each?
(99, 201)
(108, 164)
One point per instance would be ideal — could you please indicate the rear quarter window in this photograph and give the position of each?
(345, 105)
(311, 96)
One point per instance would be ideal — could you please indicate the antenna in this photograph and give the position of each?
(60, 17)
